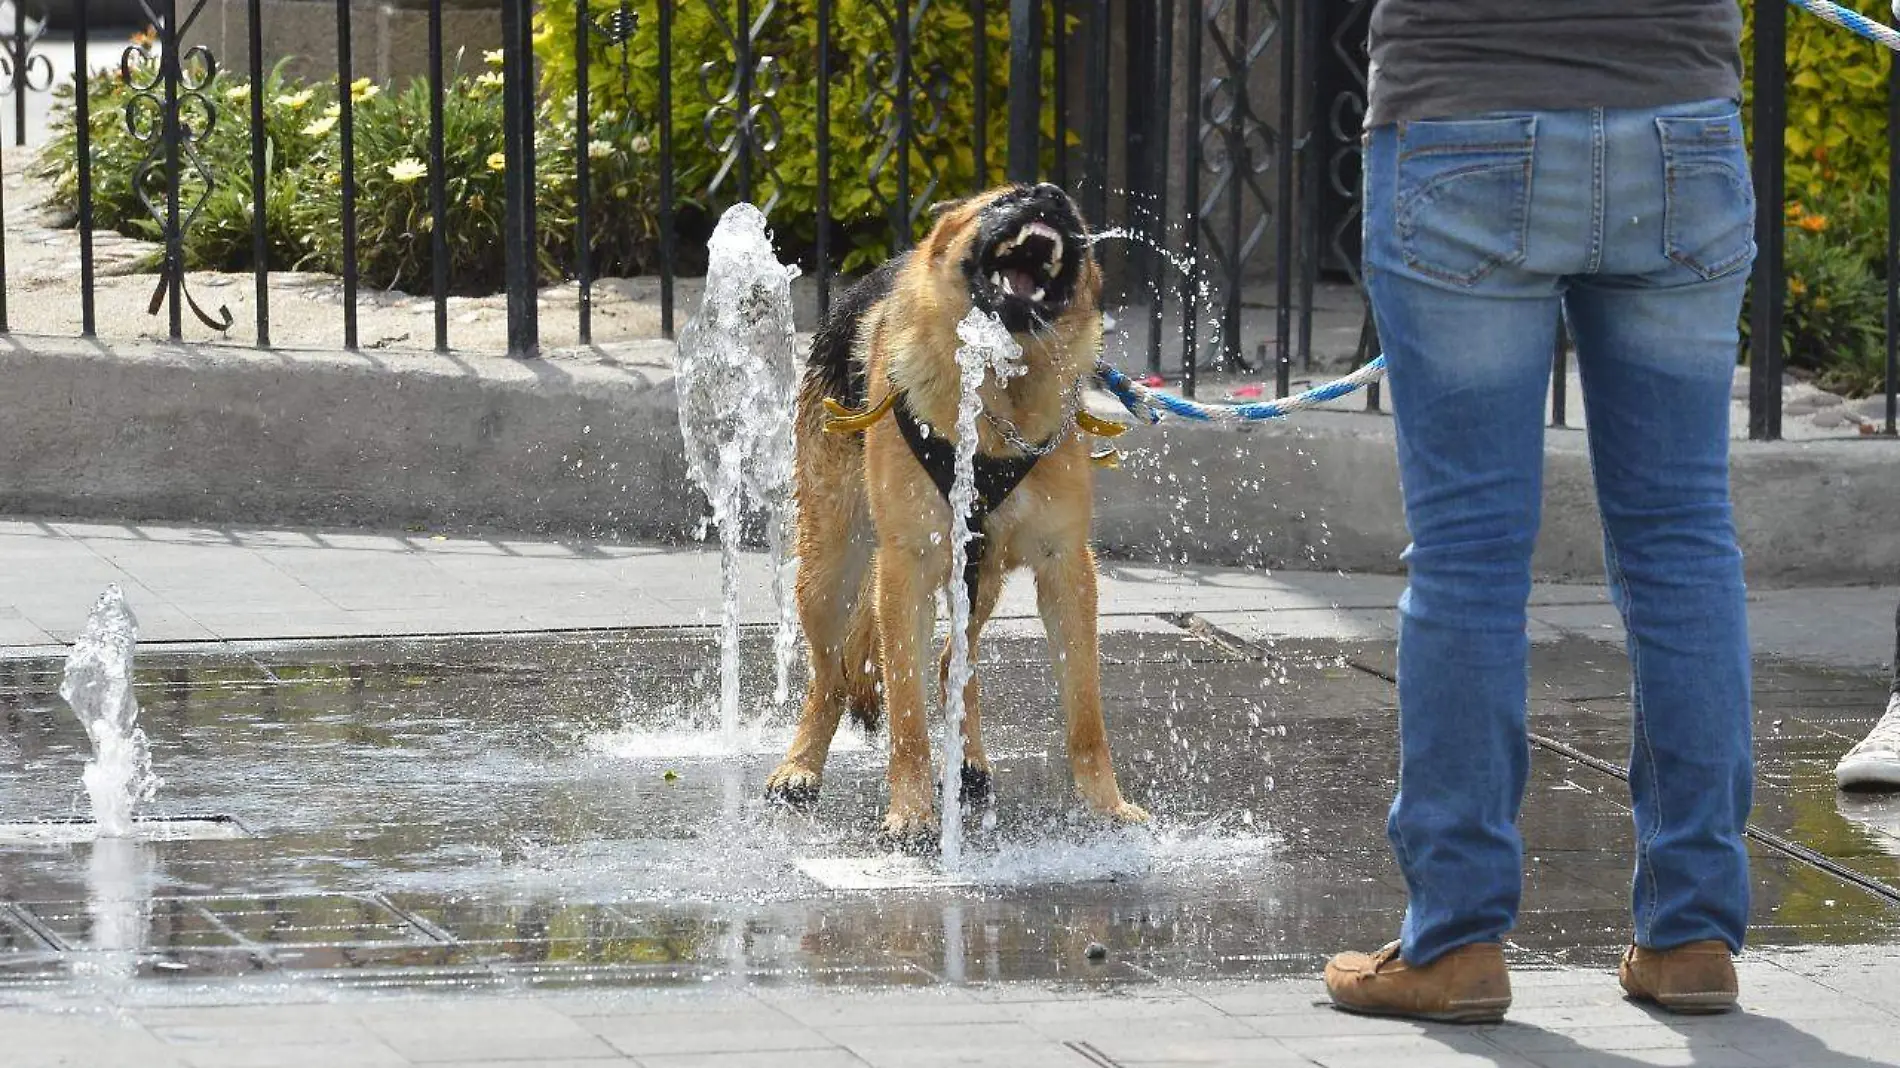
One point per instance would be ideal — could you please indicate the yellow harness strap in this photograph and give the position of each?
(842, 420)
(1101, 428)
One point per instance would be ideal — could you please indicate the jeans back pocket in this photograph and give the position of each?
(1708, 199)
(1464, 191)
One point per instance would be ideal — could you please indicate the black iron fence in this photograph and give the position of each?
(1222, 134)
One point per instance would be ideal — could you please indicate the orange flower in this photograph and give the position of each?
(1813, 224)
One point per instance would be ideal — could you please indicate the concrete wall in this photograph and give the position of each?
(226, 434)
(591, 447)
(389, 42)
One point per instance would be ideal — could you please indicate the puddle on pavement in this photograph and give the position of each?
(550, 811)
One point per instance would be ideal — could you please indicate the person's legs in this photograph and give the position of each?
(1656, 343)
(1467, 237)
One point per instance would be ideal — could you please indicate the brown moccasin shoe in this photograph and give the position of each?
(1467, 985)
(1696, 978)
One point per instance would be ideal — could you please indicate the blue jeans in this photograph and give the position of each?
(1638, 226)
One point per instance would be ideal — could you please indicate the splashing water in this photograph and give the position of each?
(1209, 325)
(738, 377)
(98, 685)
(987, 350)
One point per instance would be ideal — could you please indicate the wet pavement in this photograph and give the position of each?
(553, 811)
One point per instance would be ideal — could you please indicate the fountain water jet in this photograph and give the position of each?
(98, 685)
(988, 351)
(738, 379)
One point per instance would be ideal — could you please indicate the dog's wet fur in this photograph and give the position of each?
(873, 528)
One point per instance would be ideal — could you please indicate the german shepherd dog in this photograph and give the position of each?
(873, 537)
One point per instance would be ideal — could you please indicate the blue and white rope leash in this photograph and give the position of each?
(1854, 20)
(1150, 404)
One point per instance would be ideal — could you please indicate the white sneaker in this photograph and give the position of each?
(1875, 762)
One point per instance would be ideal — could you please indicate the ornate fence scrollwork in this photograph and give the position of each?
(1236, 147)
(22, 69)
(742, 121)
(1345, 117)
(171, 112)
(903, 94)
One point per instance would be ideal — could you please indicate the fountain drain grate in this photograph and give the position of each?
(72, 831)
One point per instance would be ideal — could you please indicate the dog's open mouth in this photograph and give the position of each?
(1027, 265)
(1028, 258)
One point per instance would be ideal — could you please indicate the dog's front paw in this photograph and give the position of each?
(793, 787)
(975, 786)
(1126, 813)
(910, 830)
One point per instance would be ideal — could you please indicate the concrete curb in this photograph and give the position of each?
(1323, 492)
(587, 444)
(229, 434)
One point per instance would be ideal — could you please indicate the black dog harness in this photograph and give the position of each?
(996, 477)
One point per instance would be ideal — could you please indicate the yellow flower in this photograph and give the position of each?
(476, 203)
(490, 80)
(1797, 287)
(1814, 224)
(497, 161)
(1795, 210)
(293, 101)
(358, 86)
(599, 150)
(320, 127)
(407, 169)
(492, 58)
(238, 94)
(333, 111)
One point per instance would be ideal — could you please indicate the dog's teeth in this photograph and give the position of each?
(1007, 288)
(1056, 256)
(996, 279)
(1037, 295)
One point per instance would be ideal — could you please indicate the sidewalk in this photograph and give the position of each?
(1816, 1010)
(210, 584)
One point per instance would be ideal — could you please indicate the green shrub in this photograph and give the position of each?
(1837, 102)
(1836, 158)
(220, 236)
(303, 180)
(1834, 323)
(942, 39)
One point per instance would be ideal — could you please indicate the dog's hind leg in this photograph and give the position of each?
(1065, 597)
(976, 766)
(835, 548)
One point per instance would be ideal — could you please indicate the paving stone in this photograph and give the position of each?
(808, 1058)
(760, 1029)
(451, 1032)
(272, 1055)
(1181, 1050)
(865, 1040)
(1719, 1057)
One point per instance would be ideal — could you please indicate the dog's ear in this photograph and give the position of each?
(947, 225)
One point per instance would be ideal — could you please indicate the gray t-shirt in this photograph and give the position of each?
(1445, 58)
